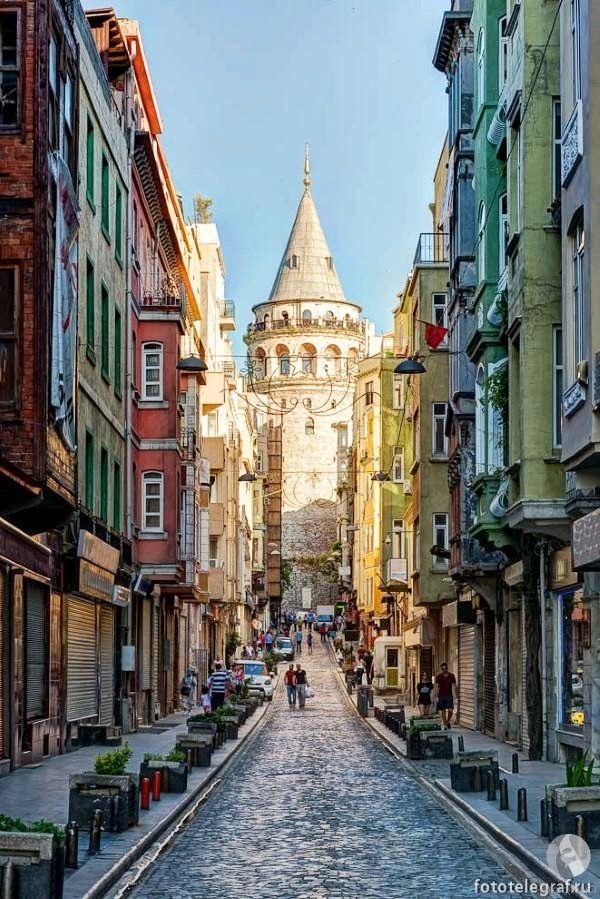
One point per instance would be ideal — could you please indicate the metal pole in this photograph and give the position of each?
(145, 793)
(156, 785)
(477, 785)
(72, 845)
(95, 832)
(503, 795)
(8, 880)
(461, 743)
(515, 763)
(580, 828)
(543, 648)
(491, 786)
(521, 804)
(543, 818)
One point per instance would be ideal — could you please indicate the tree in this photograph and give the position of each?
(202, 209)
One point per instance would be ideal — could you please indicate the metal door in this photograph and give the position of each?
(524, 715)
(107, 666)
(146, 653)
(466, 676)
(82, 665)
(489, 673)
(36, 652)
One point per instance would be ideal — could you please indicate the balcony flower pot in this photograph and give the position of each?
(40, 862)
(173, 775)
(116, 795)
(566, 803)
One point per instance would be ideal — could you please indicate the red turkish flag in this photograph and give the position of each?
(434, 334)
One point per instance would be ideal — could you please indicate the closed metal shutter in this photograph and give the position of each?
(82, 672)
(3, 661)
(524, 716)
(146, 653)
(489, 673)
(183, 654)
(156, 639)
(107, 668)
(36, 652)
(466, 676)
(426, 661)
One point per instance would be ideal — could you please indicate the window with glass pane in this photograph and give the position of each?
(89, 162)
(118, 353)
(576, 49)
(502, 233)
(103, 484)
(284, 364)
(152, 371)
(53, 93)
(579, 318)
(558, 385)
(117, 496)
(440, 441)
(398, 539)
(398, 465)
(439, 303)
(398, 392)
(8, 336)
(575, 641)
(369, 393)
(308, 364)
(556, 150)
(89, 471)
(440, 538)
(105, 326)
(502, 54)
(152, 501)
(105, 199)
(118, 223)
(90, 305)
(10, 64)
(481, 243)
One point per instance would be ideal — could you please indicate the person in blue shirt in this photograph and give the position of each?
(299, 641)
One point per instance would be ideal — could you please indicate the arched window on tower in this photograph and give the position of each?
(306, 316)
(259, 364)
(283, 356)
(309, 427)
(329, 318)
(308, 355)
(333, 360)
(293, 261)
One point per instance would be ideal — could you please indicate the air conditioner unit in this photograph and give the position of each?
(408, 414)
(408, 488)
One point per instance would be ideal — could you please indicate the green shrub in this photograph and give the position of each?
(271, 660)
(175, 755)
(114, 762)
(579, 774)
(12, 825)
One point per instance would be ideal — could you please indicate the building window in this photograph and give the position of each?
(152, 371)
(440, 538)
(502, 54)
(574, 624)
(308, 363)
(417, 547)
(416, 436)
(578, 289)
(480, 420)
(68, 140)
(306, 316)
(496, 428)
(398, 548)
(293, 262)
(118, 353)
(576, 49)
(557, 386)
(118, 224)
(152, 501)
(212, 424)
(398, 465)
(9, 286)
(481, 67)
(481, 243)
(284, 364)
(556, 149)
(329, 318)
(89, 164)
(105, 332)
(90, 308)
(502, 233)
(439, 303)
(10, 64)
(398, 392)
(369, 393)
(105, 199)
(117, 496)
(89, 471)
(103, 484)
(439, 439)
(309, 427)
(53, 92)
(260, 465)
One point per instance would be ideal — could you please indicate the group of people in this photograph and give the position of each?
(296, 684)
(213, 693)
(443, 690)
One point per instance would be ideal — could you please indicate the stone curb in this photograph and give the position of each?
(110, 877)
(468, 816)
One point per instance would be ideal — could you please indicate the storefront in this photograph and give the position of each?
(461, 616)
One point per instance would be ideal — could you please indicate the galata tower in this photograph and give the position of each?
(303, 348)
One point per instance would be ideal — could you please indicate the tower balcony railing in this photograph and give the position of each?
(322, 323)
(431, 248)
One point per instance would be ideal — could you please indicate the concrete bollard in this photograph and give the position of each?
(503, 795)
(9, 881)
(156, 785)
(515, 763)
(491, 786)
(521, 804)
(543, 818)
(461, 743)
(95, 833)
(145, 794)
(580, 828)
(477, 785)
(72, 845)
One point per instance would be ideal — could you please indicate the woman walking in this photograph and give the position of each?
(424, 691)
(301, 685)
(309, 641)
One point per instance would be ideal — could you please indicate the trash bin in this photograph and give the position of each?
(362, 701)
(370, 695)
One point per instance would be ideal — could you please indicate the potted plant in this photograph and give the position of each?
(579, 796)
(38, 848)
(173, 770)
(109, 788)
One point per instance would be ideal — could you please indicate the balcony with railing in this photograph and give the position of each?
(168, 295)
(227, 315)
(188, 444)
(321, 323)
(432, 249)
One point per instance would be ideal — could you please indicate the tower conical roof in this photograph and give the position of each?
(306, 271)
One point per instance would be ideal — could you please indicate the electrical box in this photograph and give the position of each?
(128, 658)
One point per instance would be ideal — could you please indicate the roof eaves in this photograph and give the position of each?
(450, 20)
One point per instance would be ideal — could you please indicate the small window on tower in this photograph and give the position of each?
(293, 262)
(329, 260)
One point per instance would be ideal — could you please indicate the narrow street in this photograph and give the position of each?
(315, 808)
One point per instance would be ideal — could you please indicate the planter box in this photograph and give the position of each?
(39, 861)
(206, 728)
(435, 744)
(241, 710)
(568, 802)
(462, 770)
(201, 747)
(231, 724)
(116, 797)
(173, 775)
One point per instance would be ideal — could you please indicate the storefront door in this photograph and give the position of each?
(82, 670)
(466, 676)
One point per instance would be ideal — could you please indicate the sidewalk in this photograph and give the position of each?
(521, 838)
(42, 791)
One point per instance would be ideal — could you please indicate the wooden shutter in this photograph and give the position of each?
(107, 668)
(36, 652)
(466, 676)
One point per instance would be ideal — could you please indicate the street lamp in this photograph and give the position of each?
(410, 366)
(380, 476)
(192, 365)
(247, 477)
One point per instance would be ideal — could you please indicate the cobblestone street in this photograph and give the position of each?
(315, 808)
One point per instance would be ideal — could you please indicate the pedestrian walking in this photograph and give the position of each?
(186, 688)
(445, 683)
(289, 680)
(262, 639)
(269, 641)
(425, 688)
(218, 686)
(359, 670)
(301, 685)
(309, 639)
(323, 633)
(205, 704)
(299, 641)
(368, 663)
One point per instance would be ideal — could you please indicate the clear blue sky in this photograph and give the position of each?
(242, 84)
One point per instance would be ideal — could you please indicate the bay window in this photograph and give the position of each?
(152, 501)
(152, 371)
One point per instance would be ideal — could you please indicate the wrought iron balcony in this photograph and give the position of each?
(301, 324)
(431, 248)
(227, 313)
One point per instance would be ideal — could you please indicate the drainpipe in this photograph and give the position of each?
(543, 547)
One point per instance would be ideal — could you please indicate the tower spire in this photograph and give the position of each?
(306, 167)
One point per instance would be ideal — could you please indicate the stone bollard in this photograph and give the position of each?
(461, 743)
(543, 818)
(95, 833)
(521, 804)
(580, 828)
(72, 845)
(477, 785)
(515, 763)
(503, 795)
(491, 786)
(145, 794)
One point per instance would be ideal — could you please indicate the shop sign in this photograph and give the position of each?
(586, 542)
(95, 581)
(121, 595)
(94, 550)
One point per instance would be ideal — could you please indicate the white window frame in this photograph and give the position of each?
(153, 479)
(439, 312)
(503, 45)
(148, 349)
(556, 148)
(417, 547)
(398, 391)
(480, 430)
(576, 49)
(212, 424)
(440, 526)
(481, 243)
(398, 539)
(369, 393)
(481, 67)
(436, 416)
(398, 465)
(578, 293)
(557, 385)
(495, 427)
(502, 233)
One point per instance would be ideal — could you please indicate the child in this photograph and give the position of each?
(205, 700)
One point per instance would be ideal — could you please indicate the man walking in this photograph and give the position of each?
(269, 641)
(290, 685)
(323, 630)
(299, 641)
(309, 639)
(301, 684)
(446, 690)
(218, 686)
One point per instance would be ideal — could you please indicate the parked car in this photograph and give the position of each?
(285, 648)
(257, 676)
